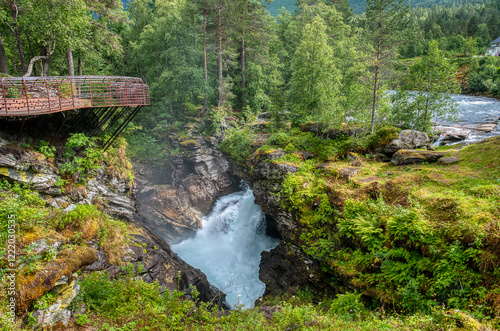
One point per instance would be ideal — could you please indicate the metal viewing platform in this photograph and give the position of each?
(105, 104)
(29, 96)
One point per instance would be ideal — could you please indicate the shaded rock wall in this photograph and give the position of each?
(173, 198)
(287, 267)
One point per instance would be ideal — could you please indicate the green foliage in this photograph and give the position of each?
(484, 76)
(77, 165)
(45, 148)
(237, 143)
(81, 319)
(77, 217)
(348, 305)
(315, 79)
(425, 95)
(383, 136)
(191, 110)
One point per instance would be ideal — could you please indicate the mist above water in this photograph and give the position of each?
(227, 249)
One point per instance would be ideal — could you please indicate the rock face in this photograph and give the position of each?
(173, 199)
(412, 156)
(162, 265)
(112, 195)
(286, 266)
(407, 139)
(33, 169)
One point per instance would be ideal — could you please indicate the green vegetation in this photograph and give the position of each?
(130, 304)
(412, 239)
(425, 96)
(416, 241)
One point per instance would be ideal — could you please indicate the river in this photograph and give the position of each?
(227, 248)
(472, 112)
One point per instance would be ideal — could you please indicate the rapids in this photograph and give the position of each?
(227, 249)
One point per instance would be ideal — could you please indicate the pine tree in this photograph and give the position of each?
(315, 79)
(386, 21)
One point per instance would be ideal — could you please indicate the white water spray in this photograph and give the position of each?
(227, 249)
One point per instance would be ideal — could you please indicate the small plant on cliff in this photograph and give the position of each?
(45, 148)
(91, 155)
(238, 143)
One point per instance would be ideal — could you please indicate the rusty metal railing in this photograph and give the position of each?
(28, 96)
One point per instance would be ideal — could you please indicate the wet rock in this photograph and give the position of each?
(8, 160)
(172, 199)
(412, 156)
(407, 139)
(162, 265)
(286, 267)
(448, 160)
(36, 181)
(454, 135)
(52, 315)
(101, 263)
(488, 127)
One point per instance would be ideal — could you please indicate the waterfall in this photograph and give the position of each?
(227, 248)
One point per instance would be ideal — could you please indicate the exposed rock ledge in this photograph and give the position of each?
(161, 263)
(172, 199)
(287, 266)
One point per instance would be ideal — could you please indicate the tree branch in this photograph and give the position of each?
(32, 62)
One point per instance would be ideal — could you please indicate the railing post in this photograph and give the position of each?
(109, 86)
(4, 98)
(26, 95)
(90, 89)
(59, 93)
(72, 95)
(126, 92)
(48, 94)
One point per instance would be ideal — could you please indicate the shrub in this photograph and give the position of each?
(45, 148)
(238, 143)
(348, 305)
(383, 136)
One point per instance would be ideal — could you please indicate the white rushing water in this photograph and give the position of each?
(227, 249)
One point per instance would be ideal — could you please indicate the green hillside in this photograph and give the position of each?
(359, 5)
(275, 6)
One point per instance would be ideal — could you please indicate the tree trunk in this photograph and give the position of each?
(80, 66)
(374, 106)
(4, 65)
(243, 81)
(46, 61)
(205, 66)
(32, 63)
(13, 9)
(71, 66)
(219, 53)
(375, 86)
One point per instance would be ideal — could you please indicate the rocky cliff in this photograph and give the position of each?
(69, 248)
(287, 267)
(173, 198)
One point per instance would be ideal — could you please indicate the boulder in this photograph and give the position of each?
(488, 127)
(448, 160)
(413, 156)
(454, 135)
(407, 139)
